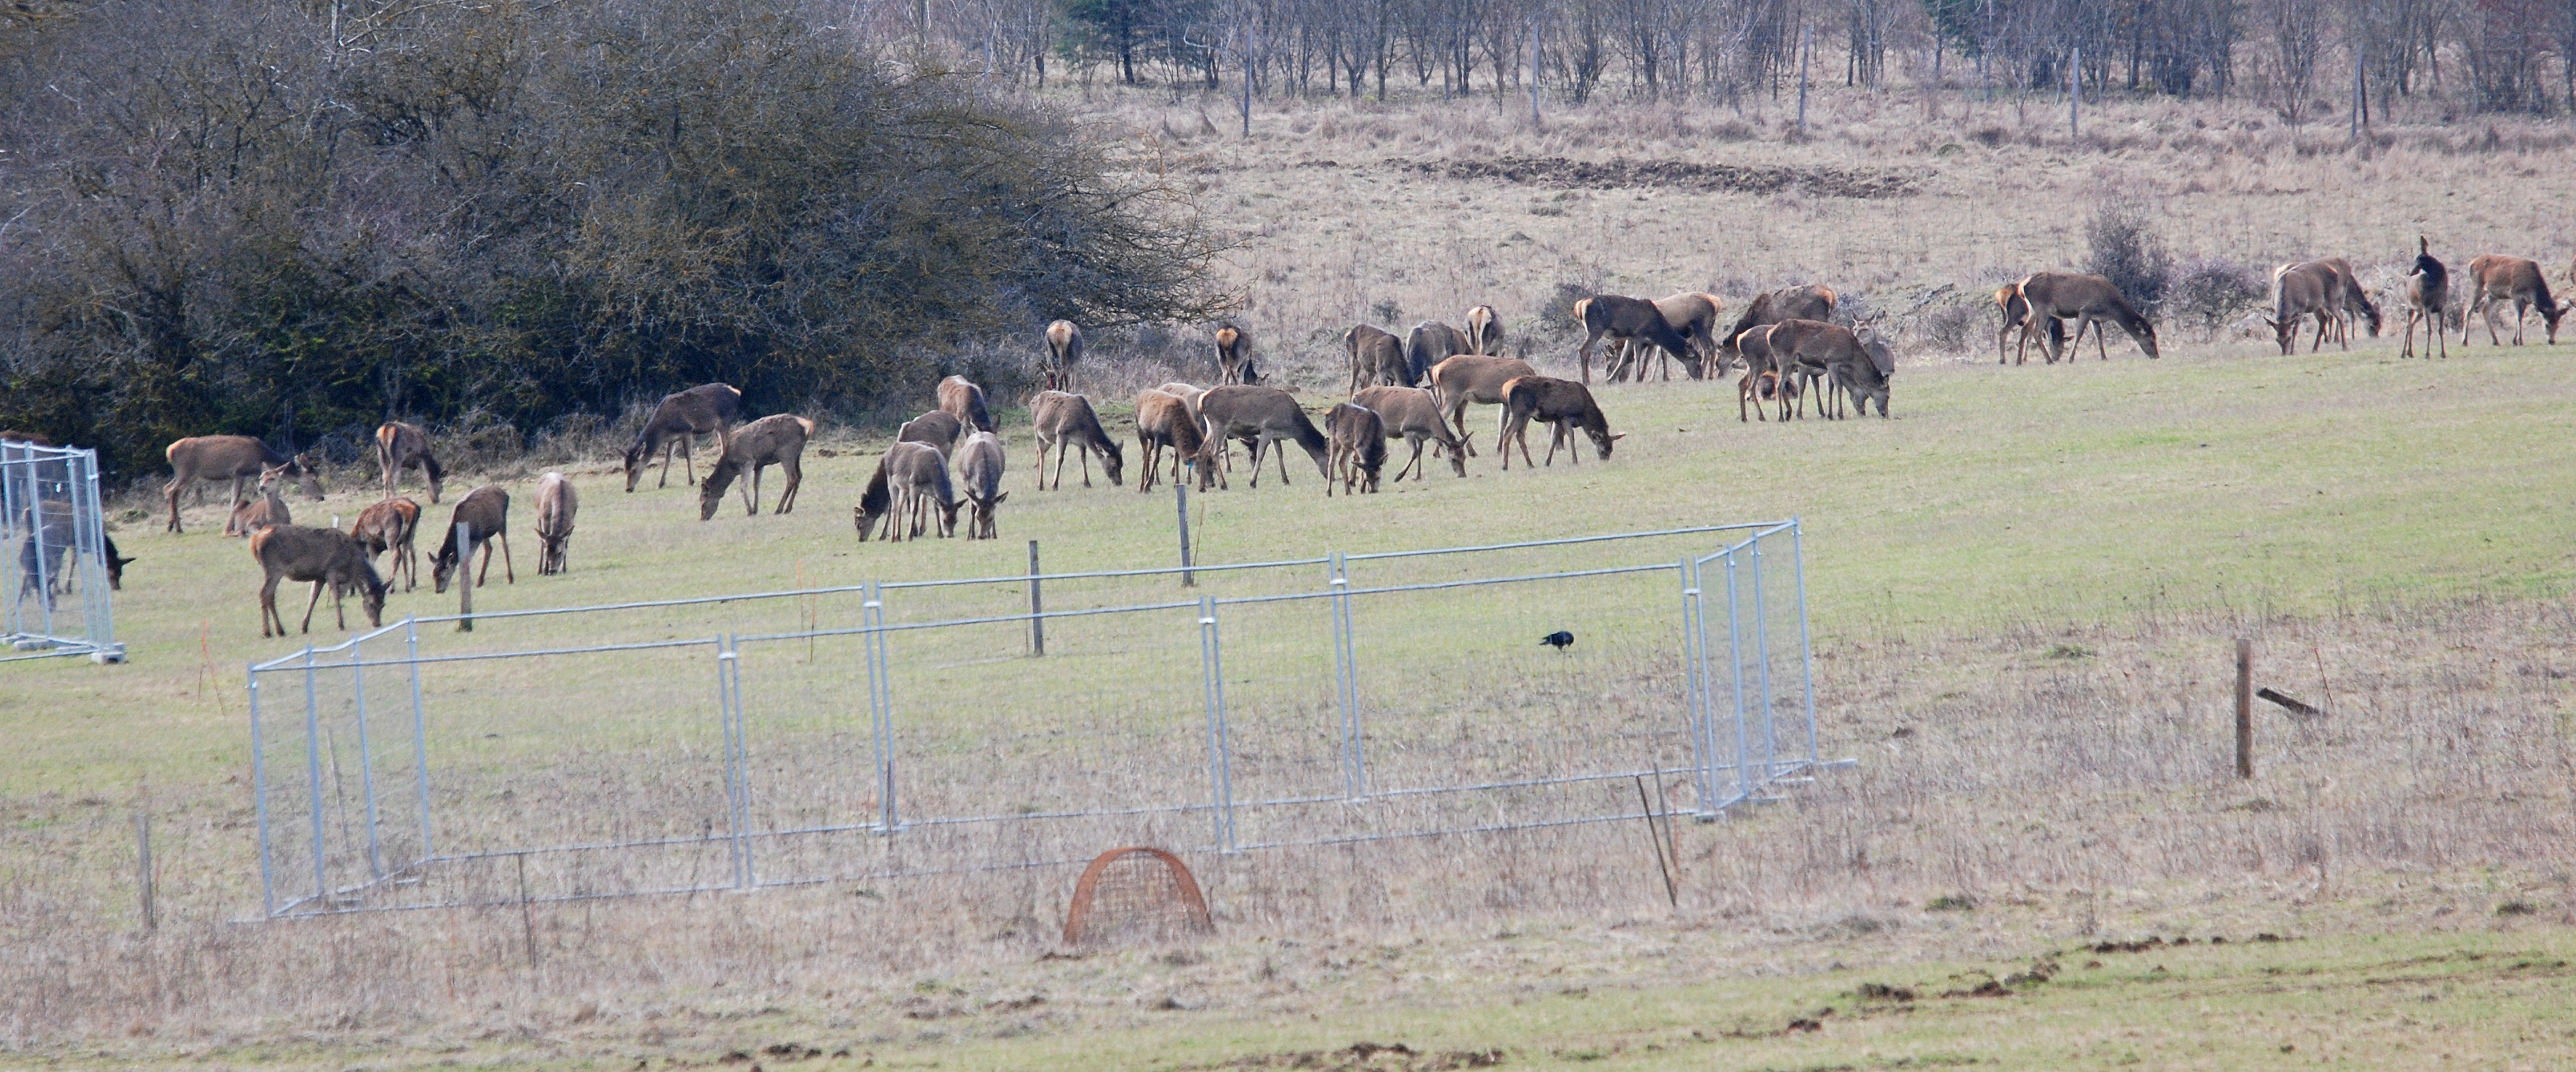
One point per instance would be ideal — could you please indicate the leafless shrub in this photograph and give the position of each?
(2123, 246)
(1949, 329)
(2210, 292)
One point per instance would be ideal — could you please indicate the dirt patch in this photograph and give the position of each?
(1372, 1057)
(1557, 171)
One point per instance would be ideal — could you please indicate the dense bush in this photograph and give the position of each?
(245, 216)
(2210, 293)
(2123, 246)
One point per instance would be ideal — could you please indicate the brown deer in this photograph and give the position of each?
(557, 502)
(1563, 404)
(1064, 349)
(391, 525)
(2428, 298)
(1376, 357)
(1694, 316)
(234, 458)
(1473, 378)
(324, 557)
(1850, 362)
(1259, 417)
(1065, 422)
(2300, 291)
(486, 513)
(1809, 302)
(1356, 450)
(268, 510)
(918, 476)
(2350, 300)
(1429, 343)
(2014, 310)
(2493, 279)
(50, 535)
(1164, 420)
(778, 439)
(938, 428)
(1233, 355)
(1412, 414)
(402, 446)
(1766, 385)
(979, 474)
(706, 409)
(2090, 301)
(960, 398)
(1618, 317)
(875, 508)
(1484, 330)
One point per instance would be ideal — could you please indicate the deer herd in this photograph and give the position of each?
(1415, 387)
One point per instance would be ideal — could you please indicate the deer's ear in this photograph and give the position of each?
(997, 500)
(1615, 437)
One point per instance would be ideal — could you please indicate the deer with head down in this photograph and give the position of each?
(1259, 417)
(1234, 355)
(2089, 301)
(1065, 423)
(1564, 405)
(1484, 331)
(391, 525)
(2495, 279)
(234, 458)
(1429, 343)
(485, 512)
(937, 428)
(778, 439)
(51, 530)
(1376, 357)
(681, 417)
(2014, 310)
(923, 495)
(1618, 317)
(960, 398)
(1413, 415)
(875, 508)
(1766, 385)
(2428, 298)
(324, 557)
(402, 446)
(1694, 316)
(1860, 366)
(1811, 301)
(1164, 421)
(2300, 291)
(1064, 349)
(1356, 450)
(556, 505)
(1473, 378)
(979, 478)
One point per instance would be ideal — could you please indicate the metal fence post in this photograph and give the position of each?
(1037, 606)
(1735, 669)
(366, 762)
(880, 707)
(729, 713)
(1695, 679)
(1762, 644)
(1347, 687)
(419, 737)
(464, 577)
(1181, 497)
(313, 778)
(259, 799)
(1220, 761)
(1806, 639)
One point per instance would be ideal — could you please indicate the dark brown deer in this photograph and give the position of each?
(918, 476)
(266, 511)
(960, 398)
(2300, 291)
(2428, 298)
(486, 513)
(1412, 414)
(1259, 417)
(391, 525)
(1376, 357)
(2014, 310)
(1429, 343)
(778, 439)
(324, 557)
(937, 428)
(1484, 330)
(1617, 317)
(1164, 421)
(1850, 362)
(2493, 279)
(1809, 302)
(234, 458)
(2089, 301)
(1472, 378)
(1357, 448)
(1694, 316)
(875, 508)
(979, 477)
(1233, 355)
(1564, 405)
(402, 446)
(1064, 350)
(706, 409)
(1065, 422)
(48, 543)
(557, 503)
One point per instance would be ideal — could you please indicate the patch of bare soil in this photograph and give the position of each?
(1557, 171)
(1372, 1057)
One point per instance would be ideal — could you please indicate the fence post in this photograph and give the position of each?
(737, 778)
(1346, 684)
(313, 778)
(419, 737)
(1037, 606)
(1220, 762)
(143, 866)
(464, 577)
(1762, 649)
(1695, 679)
(366, 761)
(1735, 669)
(259, 799)
(1181, 497)
(1806, 639)
(2244, 707)
(880, 708)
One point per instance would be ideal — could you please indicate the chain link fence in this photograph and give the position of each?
(57, 601)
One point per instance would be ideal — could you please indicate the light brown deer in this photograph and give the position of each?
(1259, 417)
(1376, 357)
(2301, 291)
(2090, 301)
(1808, 302)
(234, 458)
(1484, 330)
(979, 474)
(1065, 422)
(938, 428)
(324, 557)
(557, 502)
(2349, 299)
(1165, 421)
(778, 439)
(2014, 311)
(1564, 405)
(486, 513)
(2428, 298)
(1860, 366)
(1234, 355)
(1766, 385)
(1412, 414)
(706, 409)
(2493, 279)
(960, 398)
(1064, 349)
(268, 510)
(1473, 378)
(402, 446)
(1356, 448)
(918, 476)
(391, 525)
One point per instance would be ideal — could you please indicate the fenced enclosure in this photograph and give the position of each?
(49, 515)
(895, 729)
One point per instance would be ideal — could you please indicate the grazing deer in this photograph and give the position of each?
(2428, 297)
(2349, 299)
(50, 535)
(2493, 279)
(486, 513)
(960, 398)
(1766, 385)
(979, 474)
(778, 439)
(324, 557)
(875, 507)
(267, 511)
(1429, 343)
(706, 409)
(1809, 302)
(938, 428)
(391, 525)
(2300, 291)
(2090, 301)
(1412, 414)
(1233, 355)
(1850, 362)
(2014, 310)
(1484, 330)
(1376, 357)
(557, 502)
(1259, 417)
(1563, 404)
(1065, 423)
(1357, 448)
(402, 446)
(1064, 349)
(1165, 420)
(234, 458)
(1694, 316)
(1618, 317)
(1473, 378)
(918, 476)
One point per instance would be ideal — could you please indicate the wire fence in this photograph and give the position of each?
(57, 602)
(891, 729)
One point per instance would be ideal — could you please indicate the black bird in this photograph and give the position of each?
(1560, 640)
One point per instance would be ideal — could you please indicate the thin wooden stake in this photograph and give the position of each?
(1037, 607)
(2244, 708)
(1653, 837)
(143, 866)
(527, 915)
(1181, 495)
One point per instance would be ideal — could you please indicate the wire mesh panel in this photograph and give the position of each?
(56, 600)
(1753, 632)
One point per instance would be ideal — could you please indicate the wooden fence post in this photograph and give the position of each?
(2244, 707)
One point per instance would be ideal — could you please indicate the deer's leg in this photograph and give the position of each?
(173, 490)
(794, 468)
(509, 572)
(309, 604)
(268, 607)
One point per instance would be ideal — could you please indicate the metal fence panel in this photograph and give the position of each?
(57, 601)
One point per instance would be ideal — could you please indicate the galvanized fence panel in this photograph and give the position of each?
(57, 600)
